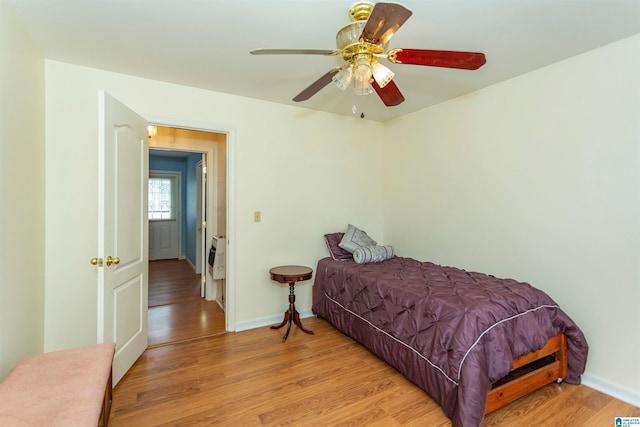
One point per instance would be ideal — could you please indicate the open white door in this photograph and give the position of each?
(122, 232)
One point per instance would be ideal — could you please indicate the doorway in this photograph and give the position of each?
(185, 301)
(177, 312)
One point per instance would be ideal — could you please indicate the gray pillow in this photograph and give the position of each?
(354, 238)
(366, 254)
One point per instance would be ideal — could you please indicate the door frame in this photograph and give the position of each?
(200, 197)
(230, 132)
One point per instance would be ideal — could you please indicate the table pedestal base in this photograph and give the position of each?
(291, 315)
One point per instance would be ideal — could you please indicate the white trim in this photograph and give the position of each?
(605, 386)
(201, 236)
(102, 110)
(267, 321)
(230, 303)
(182, 257)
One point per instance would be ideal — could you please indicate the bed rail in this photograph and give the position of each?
(522, 385)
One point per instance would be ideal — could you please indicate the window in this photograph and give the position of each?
(161, 198)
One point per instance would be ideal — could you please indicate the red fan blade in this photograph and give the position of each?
(390, 94)
(292, 52)
(316, 86)
(384, 21)
(438, 58)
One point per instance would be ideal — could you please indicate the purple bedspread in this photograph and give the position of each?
(451, 332)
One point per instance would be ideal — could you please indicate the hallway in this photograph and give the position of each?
(176, 310)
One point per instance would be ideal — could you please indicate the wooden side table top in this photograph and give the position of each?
(290, 273)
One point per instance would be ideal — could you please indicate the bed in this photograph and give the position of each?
(458, 335)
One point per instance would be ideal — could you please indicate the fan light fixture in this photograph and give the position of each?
(362, 77)
(362, 63)
(381, 74)
(362, 72)
(363, 42)
(343, 78)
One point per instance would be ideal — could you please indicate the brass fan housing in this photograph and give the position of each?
(361, 11)
(348, 37)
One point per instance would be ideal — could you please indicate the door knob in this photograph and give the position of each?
(96, 261)
(114, 260)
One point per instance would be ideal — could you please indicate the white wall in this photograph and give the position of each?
(537, 179)
(309, 173)
(21, 194)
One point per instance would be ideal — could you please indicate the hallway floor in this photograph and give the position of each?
(176, 310)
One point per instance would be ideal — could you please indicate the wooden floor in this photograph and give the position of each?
(251, 378)
(176, 310)
(172, 281)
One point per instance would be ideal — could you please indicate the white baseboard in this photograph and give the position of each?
(619, 392)
(267, 321)
(189, 261)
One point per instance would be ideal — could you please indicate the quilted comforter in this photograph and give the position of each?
(451, 332)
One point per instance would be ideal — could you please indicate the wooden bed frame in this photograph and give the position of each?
(556, 370)
(529, 372)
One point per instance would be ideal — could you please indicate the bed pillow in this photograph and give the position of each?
(354, 238)
(367, 254)
(337, 253)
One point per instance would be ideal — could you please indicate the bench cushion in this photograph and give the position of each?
(62, 388)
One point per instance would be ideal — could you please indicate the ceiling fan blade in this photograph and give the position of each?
(390, 94)
(437, 58)
(384, 21)
(292, 52)
(316, 86)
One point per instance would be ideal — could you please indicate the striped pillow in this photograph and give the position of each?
(367, 254)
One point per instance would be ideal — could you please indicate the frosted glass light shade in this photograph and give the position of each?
(343, 78)
(349, 34)
(382, 74)
(362, 77)
(362, 87)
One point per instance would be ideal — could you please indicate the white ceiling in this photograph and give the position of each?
(206, 43)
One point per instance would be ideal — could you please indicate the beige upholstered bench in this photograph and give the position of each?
(70, 388)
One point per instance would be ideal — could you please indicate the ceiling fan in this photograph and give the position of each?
(362, 43)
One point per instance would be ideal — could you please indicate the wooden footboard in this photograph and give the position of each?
(537, 378)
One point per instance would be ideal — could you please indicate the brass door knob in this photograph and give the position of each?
(114, 260)
(96, 261)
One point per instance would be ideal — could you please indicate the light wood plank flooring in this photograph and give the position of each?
(172, 281)
(251, 378)
(176, 310)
